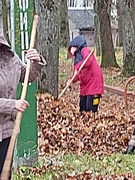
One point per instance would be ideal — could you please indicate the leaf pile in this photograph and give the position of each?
(63, 129)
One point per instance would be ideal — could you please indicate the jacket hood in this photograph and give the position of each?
(78, 42)
(4, 41)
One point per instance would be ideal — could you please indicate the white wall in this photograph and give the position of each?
(72, 30)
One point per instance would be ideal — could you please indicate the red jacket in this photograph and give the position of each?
(90, 77)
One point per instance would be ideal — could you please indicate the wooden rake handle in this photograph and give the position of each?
(9, 157)
(75, 73)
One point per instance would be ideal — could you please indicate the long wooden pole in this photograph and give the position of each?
(9, 157)
(75, 73)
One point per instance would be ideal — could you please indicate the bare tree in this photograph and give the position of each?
(120, 39)
(128, 30)
(48, 43)
(107, 48)
(1, 19)
(64, 25)
(5, 19)
(97, 29)
(131, 4)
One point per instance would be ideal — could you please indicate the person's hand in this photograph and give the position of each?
(33, 55)
(21, 105)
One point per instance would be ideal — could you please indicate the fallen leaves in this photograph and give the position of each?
(64, 129)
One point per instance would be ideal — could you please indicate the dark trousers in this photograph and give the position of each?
(3, 151)
(89, 103)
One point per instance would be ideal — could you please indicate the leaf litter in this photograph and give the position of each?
(62, 129)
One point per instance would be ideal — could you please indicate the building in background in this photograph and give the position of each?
(80, 3)
(81, 21)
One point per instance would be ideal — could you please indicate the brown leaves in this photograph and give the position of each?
(62, 128)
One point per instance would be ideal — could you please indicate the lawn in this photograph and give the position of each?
(73, 165)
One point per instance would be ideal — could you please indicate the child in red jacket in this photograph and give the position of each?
(90, 77)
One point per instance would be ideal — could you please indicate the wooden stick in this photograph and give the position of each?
(9, 157)
(75, 73)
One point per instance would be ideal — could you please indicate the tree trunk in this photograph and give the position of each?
(107, 48)
(97, 29)
(1, 18)
(120, 36)
(5, 19)
(128, 37)
(64, 26)
(48, 43)
(132, 11)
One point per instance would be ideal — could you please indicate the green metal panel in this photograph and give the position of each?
(26, 149)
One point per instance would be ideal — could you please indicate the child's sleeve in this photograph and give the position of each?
(85, 53)
(76, 77)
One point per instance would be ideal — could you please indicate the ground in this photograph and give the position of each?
(74, 146)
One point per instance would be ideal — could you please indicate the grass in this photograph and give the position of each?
(73, 164)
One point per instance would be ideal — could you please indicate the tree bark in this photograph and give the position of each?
(97, 29)
(120, 35)
(5, 19)
(64, 25)
(107, 48)
(48, 43)
(128, 37)
(131, 4)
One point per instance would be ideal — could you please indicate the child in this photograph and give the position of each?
(90, 77)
